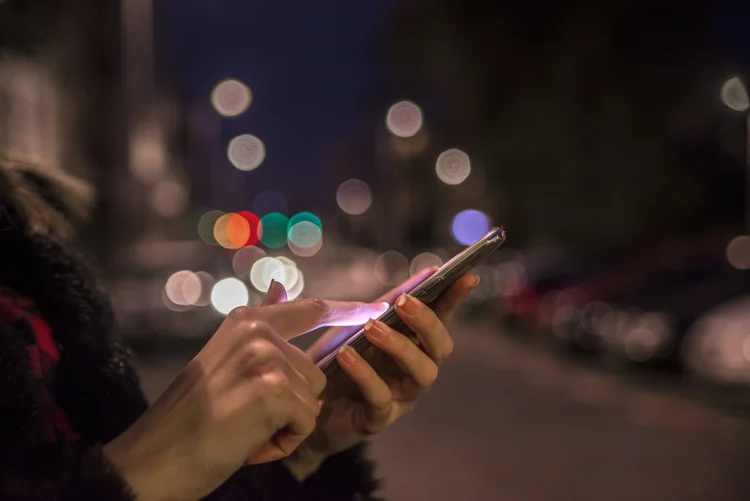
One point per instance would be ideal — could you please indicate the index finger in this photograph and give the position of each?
(392, 295)
(336, 336)
(298, 317)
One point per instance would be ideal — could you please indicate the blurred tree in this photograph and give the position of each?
(579, 110)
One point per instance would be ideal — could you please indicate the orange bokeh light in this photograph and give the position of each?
(232, 231)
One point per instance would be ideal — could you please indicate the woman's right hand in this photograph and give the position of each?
(248, 396)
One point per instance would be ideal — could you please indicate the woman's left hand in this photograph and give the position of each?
(384, 383)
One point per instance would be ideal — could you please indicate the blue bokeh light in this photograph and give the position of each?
(469, 225)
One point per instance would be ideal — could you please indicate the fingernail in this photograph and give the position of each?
(407, 304)
(347, 354)
(385, 306)
(374, 329)
(476, 281)
(270, 286)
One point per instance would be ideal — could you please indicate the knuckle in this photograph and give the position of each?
(261, 351)
(381, 403)
(318, 381)
(314, 304)
(309, 424)
(259, 328)
(431, 321)
(274, 385)
(240, 314)
(445, 351)
(430, 375)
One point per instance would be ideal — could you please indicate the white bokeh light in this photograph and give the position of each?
(391, 267)
(294, 292)
(183, 288)
(244, 259)
(266, 269)
(246, 152)
(734, 95)
(291, 273)
(453, 166)
(354, 197)
(231, 98)
(305, 251)
(738, 252)
(424, 260)
(228, 294)
(404, 119)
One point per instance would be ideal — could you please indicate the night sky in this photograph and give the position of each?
(306, 63)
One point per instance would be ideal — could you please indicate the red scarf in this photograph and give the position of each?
(43, 358)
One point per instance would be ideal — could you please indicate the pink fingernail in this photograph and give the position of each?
(374, 329)
(406, 303)
(347, 354)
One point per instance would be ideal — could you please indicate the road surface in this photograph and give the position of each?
(507, 423)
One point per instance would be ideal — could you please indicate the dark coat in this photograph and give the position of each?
(67, 388)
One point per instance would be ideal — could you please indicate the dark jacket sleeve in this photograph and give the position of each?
(31, 466)
(60, 473)
(347, 476)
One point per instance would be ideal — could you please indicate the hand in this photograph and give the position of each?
(248, 396)
(386, 382)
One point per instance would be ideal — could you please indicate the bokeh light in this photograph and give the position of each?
(291, 273)
(294, 292)
(246, 152)
(304, 230)
(424, 260)
(264, 270)
(306, 251)
(269, 201)
(469, 225)
(148, 155)
(279, 269)
(207, 283)
(391, 268)
(231, 97)
(232, 231)
(738, 252)
(354, 197)
(169, 198)
(404, 119)
(305, 217)
(256, 228)
(305, 235)
(453, 166)
(206, 225)
(274, 234)
(244, 258)
(734, 94)
(183, 288)
(228, 294)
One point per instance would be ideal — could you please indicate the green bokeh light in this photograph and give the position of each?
(305, 230)
(274, 230)
(305, 216)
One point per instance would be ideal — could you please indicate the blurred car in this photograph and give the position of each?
(717, 345)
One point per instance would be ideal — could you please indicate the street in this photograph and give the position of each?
(504, 422)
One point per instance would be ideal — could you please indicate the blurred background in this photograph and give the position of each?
(338, 147)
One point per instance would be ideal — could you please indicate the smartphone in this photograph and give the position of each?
(428, 292)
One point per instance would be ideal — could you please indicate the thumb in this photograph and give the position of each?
(298, 317)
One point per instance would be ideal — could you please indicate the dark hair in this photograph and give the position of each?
(41, 200)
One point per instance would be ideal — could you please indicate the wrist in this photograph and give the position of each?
(147, 480)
